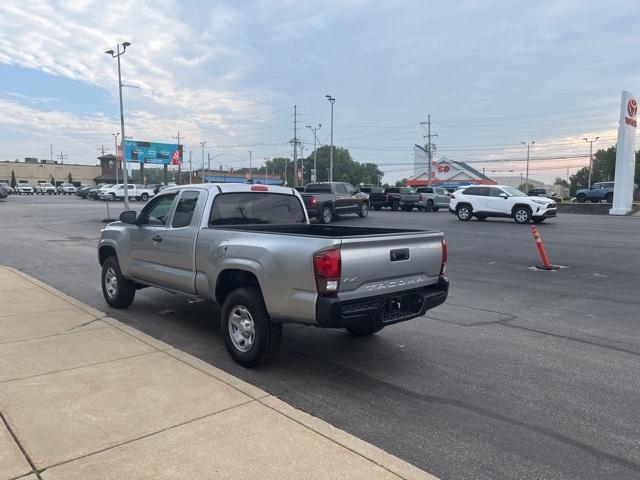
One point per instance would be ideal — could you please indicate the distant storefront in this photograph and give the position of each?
(450, 174)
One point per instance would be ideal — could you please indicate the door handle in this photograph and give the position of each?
(156, 238)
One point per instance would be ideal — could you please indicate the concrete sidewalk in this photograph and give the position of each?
(83, 396)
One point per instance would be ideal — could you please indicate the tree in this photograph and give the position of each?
(523, 187)
(53, 182)
(345, 169)
(401, 183)
(70, 178)
(561, 181)
(579, 180)
(13, 179)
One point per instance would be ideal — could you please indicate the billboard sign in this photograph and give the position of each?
(152, 152)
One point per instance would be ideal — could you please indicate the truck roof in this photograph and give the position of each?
(235, 187)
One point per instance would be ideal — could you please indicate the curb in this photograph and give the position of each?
(360, 447)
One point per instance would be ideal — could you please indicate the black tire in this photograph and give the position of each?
(464, 212)
(364, 210)
(581, 198)
(429, 206)
(144, 197)
(263, 337)
(395, 205)
(364, 330)
(112, 196)
(609, 197)
(522, 215)
(377, 207)
(121, 293)
(326, 216)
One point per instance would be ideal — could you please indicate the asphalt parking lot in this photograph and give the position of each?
(521, 374)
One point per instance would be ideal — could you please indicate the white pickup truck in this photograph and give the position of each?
(139, 192)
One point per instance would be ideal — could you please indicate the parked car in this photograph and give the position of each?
(25, 188)
(325, 200)
(46, 188)
(401, 197)
(7, 188)
(85, 191)
(251, 250)
(376, 196)
(482, 201)
(66, 189)
(134, 191)
(598, 192)
(3, 193)
(98, 192)
(432, 199)
(543, 192)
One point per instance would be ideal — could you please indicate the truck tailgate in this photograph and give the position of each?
(389, 263)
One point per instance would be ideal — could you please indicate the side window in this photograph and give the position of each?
(609, 185)
(157, 210)
(340, 188)
(495, 192)
(477, 191)
(350, 189)
(185, 208)
(392, 190)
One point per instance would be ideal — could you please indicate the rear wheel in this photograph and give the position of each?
(395, 205)
(364, 330)
(327, 215)
(522, 215)
(581, 198)
(429, 205)
(463, 213)
(249, 335)
(144, 197)
(118, 291)
(610, 197)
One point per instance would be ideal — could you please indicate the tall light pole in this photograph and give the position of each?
(266, 171)
(117, 54)
(590, 142)
(250, 169)
(332, 100)
(115, 136)
(527, 178)
(315, 151)
(202, 144)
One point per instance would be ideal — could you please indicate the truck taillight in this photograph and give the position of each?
(313, 201)
(327, 265)
(445, 258)
(420, 198)
(386, 198)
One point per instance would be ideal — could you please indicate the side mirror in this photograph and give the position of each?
(503, 195)
(128, 216)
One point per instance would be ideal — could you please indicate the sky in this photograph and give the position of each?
(490, 73)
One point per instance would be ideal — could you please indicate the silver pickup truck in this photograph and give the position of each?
(251, 249)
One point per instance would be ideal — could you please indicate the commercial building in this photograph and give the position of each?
(449, 173)
(44, 171)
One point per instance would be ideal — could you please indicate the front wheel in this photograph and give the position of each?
(249, 335)
(364, 330)
(364, 210)
(118, 291)
(581, 198)
(464, 213)
(522, 215)
(144, 197)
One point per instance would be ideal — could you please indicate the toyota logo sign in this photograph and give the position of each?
(632, 107)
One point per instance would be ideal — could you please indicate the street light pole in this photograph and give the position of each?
(250, 169)
(590, 142)
(315, 151)
(202, 144)
(115, 136)
(117, 55)
(527, 176)
(332, 100)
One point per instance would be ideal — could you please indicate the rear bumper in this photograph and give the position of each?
(380, 310)
(313, 212)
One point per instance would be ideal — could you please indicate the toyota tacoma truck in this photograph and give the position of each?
(251, 250)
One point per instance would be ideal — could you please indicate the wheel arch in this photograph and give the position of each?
(231, 279)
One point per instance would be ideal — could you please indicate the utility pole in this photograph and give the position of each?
(527, 178)
(208, 163)
(295, 146)
(266, 171)
(301, 164)
(332, 100)
(101, 149)
(190, 168)
(428, 146)
(250, 166)
(61, 157)
(314, 177)
(51, 151)
(115, 136)
(202, 144)
(117, 54)
(590, 142)
(180, 164)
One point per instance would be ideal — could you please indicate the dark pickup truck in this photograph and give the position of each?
(377, 198)
(327, 199)
(395, 198)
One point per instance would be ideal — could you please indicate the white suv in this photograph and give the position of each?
(482, 201)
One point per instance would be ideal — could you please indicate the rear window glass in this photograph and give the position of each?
(317, 188)
(250, 208)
